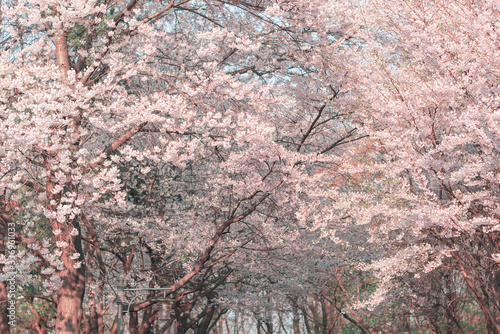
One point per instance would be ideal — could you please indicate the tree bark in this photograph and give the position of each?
(61, 44)
(70, 294)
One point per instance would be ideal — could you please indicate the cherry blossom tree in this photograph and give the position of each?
(427, 183)
(244, 154)
(169, 143)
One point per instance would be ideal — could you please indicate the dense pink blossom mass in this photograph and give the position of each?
(320, 166)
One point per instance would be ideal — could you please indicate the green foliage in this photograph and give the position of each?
(76, 36)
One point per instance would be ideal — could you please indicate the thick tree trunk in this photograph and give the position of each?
(70, 294)
(69, 306)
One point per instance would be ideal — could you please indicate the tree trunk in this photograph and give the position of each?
(296, 321)
(133, 323)
(70, 294)
(205, 322)
(491, 323)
